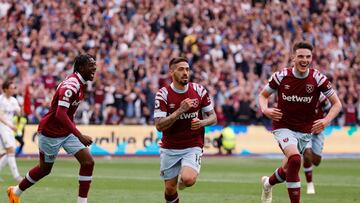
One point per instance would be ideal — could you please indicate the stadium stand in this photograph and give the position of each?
(233, 48)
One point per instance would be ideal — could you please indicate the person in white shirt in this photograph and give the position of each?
(9, 106)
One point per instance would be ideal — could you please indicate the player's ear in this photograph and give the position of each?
(171, 69)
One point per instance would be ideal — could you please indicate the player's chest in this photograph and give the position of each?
(79, 97)
(303, 87)
(298, 91)
(174, 102)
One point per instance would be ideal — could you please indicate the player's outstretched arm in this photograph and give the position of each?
(210, 119)
(166, 122)
(272, 113)
(336, 106)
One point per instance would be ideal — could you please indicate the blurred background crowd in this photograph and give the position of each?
(233, 47)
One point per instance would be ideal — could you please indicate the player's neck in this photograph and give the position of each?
(80, 77)
(179, 88)
(7, 96)
(299, 74)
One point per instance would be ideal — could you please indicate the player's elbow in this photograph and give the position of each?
(214, 120)
(60, 114)
(159, 127)
(339, 105)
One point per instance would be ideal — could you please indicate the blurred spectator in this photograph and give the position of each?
(40, 111)
(96, 117)
(350, 112)
(232, 47)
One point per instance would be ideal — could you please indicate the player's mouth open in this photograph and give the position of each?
(304, 64)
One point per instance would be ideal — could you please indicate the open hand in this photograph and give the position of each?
(273, 113)
(86, 140)
(319, 126)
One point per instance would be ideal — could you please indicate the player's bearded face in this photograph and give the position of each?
(302, 59)
(181, 73)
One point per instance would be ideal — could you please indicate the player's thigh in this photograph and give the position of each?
(170, 163)
(49, 147)
(308, 154)
(318, 144)
(287, 141)
(72, 145)
(308, 146)
(191, 161)
(303, 140)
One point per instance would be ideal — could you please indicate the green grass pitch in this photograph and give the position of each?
(222, 180)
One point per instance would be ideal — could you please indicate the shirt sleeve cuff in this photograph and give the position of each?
(64, 103)
(160, 114)
(207, 108)
(269, 89)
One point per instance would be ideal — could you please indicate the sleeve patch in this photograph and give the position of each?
(64, 103)
(68, 93)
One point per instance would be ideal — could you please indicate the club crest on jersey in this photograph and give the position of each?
(309, 88)
(195, 103)
(286, 139)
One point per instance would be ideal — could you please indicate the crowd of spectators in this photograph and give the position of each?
(233, 47)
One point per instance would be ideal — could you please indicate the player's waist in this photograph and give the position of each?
(52, 134)
(303, 128)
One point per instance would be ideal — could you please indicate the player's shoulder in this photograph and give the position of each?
(279, 75)
(315, 72)
(13, 100)
(72, 78)
(195, 85)
(70, 83)
(162, 93)
(319, 77)
(200, 89)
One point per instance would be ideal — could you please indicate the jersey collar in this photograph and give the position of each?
(80, 77)
(299, 76)
(179, 91)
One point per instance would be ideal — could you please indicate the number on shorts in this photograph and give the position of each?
(198, 159)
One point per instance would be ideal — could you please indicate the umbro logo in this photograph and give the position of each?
(287, 87)
(171, 106)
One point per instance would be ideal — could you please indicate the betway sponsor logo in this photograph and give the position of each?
(188, 115)
(295, 98)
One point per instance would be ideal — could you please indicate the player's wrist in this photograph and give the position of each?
(327, 121)
(264, 110)
(178, 112)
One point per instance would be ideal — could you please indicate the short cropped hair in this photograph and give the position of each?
(302, 45)
(82, 60)
(7, 84)
(177, 60)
